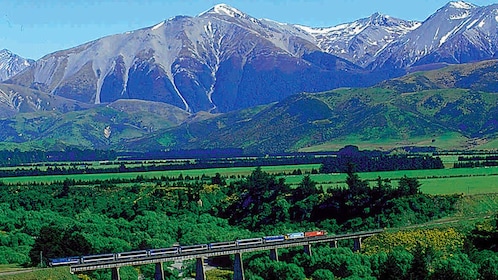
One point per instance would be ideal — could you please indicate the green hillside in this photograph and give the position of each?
(101, 127)
(479, 76)
(373, 117)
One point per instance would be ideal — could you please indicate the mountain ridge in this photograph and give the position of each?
(224, 59)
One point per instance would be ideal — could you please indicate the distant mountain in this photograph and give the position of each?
(11, 64)
(459, 32)
(361, 41)
(224, 79)
(455, 107)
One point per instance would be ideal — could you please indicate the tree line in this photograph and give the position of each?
(17, 157)
(368, 163)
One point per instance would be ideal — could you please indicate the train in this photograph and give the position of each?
(165, 252)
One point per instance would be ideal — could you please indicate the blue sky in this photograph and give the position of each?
(33, 28)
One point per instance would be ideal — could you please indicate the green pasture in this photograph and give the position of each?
(465, 185)
(435, 181)
(227, 172)
(446, 141)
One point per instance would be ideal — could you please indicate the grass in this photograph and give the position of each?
(435, 181)
(9, 267)
(493, 144)
(219, 274)
(465, 185)
(478, 205)
(59, 273)
(444, 141)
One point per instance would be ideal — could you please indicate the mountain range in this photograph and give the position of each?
(226, 79)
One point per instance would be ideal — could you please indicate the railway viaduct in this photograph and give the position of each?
(236, 251)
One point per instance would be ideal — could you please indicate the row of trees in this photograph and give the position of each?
(368, 163)
(17, 157)
(473, 164)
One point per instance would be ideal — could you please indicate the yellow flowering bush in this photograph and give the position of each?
(444, 240)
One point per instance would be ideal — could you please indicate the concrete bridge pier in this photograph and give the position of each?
(333, 244)
(357, 244)
(200, 273)
(238, 267)
(159, 274)
(307, 249)
(274, 254)
(115, 273)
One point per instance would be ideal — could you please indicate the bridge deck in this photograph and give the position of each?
(219, 252)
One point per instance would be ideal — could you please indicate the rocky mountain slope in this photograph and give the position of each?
(361, 41)
(17, 99)
(11, 64)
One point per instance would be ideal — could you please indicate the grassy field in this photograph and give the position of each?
(436, 181)
(478, 205)
(445, 141)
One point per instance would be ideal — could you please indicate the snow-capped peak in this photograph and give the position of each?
(11, 64)
(224, 9)
(461, 5)
(6, 51)
(378, 18)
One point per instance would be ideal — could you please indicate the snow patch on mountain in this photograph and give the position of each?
(224, 9)
(157, 25)
(461, 5)
(227, 10)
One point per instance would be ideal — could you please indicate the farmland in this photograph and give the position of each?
(434, 181)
